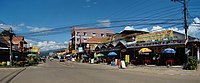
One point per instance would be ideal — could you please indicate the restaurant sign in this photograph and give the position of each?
(155, 36)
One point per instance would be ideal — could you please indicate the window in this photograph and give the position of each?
(93, 34)
(78, 39)
(78, 33)
(85, 39)
(108, 34)
(102, 35)
(85, 33)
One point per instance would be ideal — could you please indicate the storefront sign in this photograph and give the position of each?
(155, 36)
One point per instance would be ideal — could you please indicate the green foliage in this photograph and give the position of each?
(192, 63)
(126, 63)
(19, 63)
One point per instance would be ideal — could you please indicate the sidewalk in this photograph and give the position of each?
(5, 72)
(172, 70)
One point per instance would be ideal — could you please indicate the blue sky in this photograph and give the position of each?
(27, 16)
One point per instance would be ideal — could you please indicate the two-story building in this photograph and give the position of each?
(81, 35)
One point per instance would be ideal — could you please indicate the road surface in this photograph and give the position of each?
(63, 72)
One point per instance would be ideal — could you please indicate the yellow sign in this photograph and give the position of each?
(156, 36)
(34, 49)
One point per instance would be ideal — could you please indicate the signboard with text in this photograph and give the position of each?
(156, 36)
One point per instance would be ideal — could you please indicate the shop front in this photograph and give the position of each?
(158, 42)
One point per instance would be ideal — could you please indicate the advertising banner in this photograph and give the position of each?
(156, 36)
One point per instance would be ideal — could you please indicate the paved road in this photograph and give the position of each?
(56, 72)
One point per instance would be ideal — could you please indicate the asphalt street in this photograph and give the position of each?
(63, 72)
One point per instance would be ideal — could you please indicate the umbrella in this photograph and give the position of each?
(169, 50)
(143, 50)
(112, 54)
(31, 55)
(99, 55)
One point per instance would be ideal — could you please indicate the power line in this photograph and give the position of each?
(117, 21)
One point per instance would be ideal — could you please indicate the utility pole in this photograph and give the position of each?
(11, 38)
(185, 27)
(185, 20)
(185, 16)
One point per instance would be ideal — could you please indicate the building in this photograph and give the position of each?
(159, 41)
(81, 35)
(130, 44)
(18, 43)
(118, 43)
(3, 43)
(18, 48)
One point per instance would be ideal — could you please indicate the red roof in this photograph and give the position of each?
(96, 40)
(16, 39)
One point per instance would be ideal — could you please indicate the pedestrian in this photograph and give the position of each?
(154, 59)
(158, 60)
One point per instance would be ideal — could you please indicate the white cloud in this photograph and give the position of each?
(37, 29)
(132, 28)
(7, 27)
(47, 45)
(157, 28)
(104, 23)
(30, 42)
(21, 25)
(177, 30)
(51, 45)
(194, 28)
(128, 28)
(143, 29)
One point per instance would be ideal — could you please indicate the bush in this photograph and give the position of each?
(192, 63)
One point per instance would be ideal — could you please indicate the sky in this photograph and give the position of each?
(47, 23)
